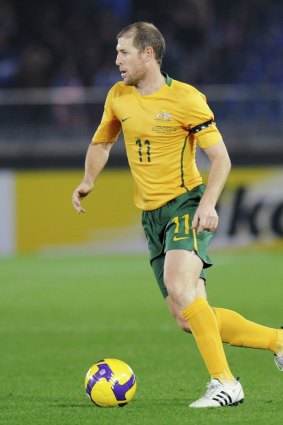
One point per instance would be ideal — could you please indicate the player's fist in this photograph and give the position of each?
(79, 193)
(205, 218)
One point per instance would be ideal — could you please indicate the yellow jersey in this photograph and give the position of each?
(160, 148)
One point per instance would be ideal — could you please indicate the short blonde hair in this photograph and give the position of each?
(145, 35)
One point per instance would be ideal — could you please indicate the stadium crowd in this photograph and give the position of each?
(58, 43)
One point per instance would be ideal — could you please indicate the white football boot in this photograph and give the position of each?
(278, 359)
(220, 395)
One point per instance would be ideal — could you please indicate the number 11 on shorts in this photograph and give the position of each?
(185, 220)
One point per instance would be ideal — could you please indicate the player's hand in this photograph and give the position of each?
(205, 218)
(79, 193)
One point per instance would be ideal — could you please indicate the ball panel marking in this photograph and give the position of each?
(104, 371)
(120, 390)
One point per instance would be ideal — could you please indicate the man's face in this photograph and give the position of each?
(131, 62)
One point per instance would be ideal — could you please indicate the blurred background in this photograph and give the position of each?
(57, 62)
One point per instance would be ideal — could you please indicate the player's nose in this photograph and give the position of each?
(118, 60)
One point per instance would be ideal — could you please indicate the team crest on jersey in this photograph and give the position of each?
(163, 116)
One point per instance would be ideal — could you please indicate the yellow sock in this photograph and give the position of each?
(204, 328)
(236, 330)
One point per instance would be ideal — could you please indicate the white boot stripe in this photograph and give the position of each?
(219, 401)
(220, 398)
(227, 395)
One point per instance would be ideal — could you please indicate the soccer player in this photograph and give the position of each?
(162, 122)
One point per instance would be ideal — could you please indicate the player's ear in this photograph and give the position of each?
(149, 54)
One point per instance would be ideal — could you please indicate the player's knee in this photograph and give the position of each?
(183, 324)
(177, 314)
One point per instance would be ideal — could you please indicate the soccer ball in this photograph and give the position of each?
(110, 383)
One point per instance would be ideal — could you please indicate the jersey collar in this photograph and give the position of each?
(168, 80)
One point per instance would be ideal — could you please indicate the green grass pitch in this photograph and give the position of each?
(60, 315)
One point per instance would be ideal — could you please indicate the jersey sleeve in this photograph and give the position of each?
(200, 113)
(109, 127)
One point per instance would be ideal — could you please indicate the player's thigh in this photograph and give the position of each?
(157, 265)
(175, 311)
(182, 267)
(182, 270)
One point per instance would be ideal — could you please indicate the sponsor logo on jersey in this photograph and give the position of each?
(125, 119)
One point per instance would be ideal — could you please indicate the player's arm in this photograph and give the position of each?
(206, 217)
(96, 158)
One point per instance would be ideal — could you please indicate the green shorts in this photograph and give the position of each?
(170, 227)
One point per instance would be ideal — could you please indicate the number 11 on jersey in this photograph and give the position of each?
(143, 146)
